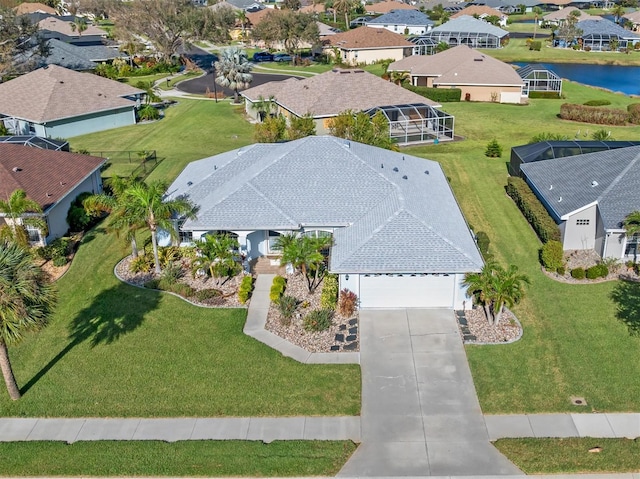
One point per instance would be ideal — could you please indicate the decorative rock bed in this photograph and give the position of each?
(475, 329)
(585, 259)
(342, 335)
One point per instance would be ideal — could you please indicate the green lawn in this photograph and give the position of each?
(120, 351)
(573, 344)
(185, 458)
(554, 456)
(191, 130)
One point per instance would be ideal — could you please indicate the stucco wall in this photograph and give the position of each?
(400, 29)
(615, 246)
(503, 94)
(580, 236)
(99, 121)
(355, 57)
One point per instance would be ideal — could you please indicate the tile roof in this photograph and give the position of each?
(45, 175)
(335, 91)
(460, 65)
(604, 27)
(54, 92)
(386, 7)
(466, 23)
(609, 177)
(78, 57)
(479, 10)
(564, 13)
(33, 7)
(402, 17)
(54, 24)
(393, 212)
(368, 38)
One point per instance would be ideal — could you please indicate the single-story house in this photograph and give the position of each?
(315, 8)
(380, 8)
(56, 102)
(51, 178)
(505, 6)
(405, 22)
(246, 5)
(399, 237)
(448, 6)
(54, 27)
(589, 196)
(79, 58)
(600, 35)
(634, 19)
(364, 45)
(412, 117)
(479, 76)
(482, 12)
(558, 17)
(466, 30)
(34, 7)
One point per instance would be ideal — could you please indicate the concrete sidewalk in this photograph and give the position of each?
(180, 429)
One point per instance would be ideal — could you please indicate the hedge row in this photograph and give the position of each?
(437, 94)
(554, 95)
(634, 113)
(594, 114)
(534, 211)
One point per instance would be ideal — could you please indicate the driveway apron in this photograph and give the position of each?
(420, 412)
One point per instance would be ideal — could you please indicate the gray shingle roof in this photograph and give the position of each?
(604, 27)
(466, 23)
(402, 17)
(386, 223)
(616, 174)
(78, 57)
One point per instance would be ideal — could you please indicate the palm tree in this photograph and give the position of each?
(344, 7)
(632, 226)
(233, 70)
(398, 77)
(217, 255)
(618, 11)
(265, 107)
(20, 212)
(79, 24)
(508, 289)
(147, 202)
(537, 11)
(305, 253)
(242, 18)
(479, 287)
(26, 303)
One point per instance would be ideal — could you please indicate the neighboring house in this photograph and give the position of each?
(482, 12)
(53, 27)
(381, 8)
(327, 30)
(315, 8)
(35, 7)
(56, 102)
(364, 45)
(405, 22)
(539, 78)
(560, 16)
(634, 19)
(506, 6)
(479, 76)
(246, 5)
(589, 196)
(79, 58)
(399, 237)
(448, 6)
(412, 118)
(36, 142)
(602, 35)
(51, 178)
(466, 30)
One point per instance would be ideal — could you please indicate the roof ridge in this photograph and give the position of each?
(618, 178)
(49, 74)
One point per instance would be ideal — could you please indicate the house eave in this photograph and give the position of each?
(579, 210)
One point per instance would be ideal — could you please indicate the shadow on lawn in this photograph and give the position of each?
(626, 295)
(112, 314)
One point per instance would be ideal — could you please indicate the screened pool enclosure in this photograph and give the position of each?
(416, 123)
(539, 78)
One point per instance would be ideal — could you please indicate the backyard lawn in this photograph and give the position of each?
(573, 344)
(120, 351)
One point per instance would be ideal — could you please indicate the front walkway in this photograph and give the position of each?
(420, 412)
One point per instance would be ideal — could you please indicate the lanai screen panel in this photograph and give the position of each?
(471, 39)
(538, 78)
(417, 123)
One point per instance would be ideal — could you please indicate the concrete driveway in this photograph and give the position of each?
(420, 412)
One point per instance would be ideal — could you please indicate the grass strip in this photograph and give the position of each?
(552, 455)
(184, 458)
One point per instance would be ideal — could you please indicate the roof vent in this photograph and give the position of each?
(189, 183)
(402, 157)
(49, 195)
(405, 177)
(594, 183)
(550, 187)
(16, 169)
(62, 183)
(477, 59)
(559, 199)
(396, 169)
(381, 165)
(347, 144)
(426, 172)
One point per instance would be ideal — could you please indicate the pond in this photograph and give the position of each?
(623, 79)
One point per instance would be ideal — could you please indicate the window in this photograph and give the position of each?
(272, 237)
(582, 222)
(33, 233)
(186, 237)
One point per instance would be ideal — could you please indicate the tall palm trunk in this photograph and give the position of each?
(488, 313)
(7, 372)
(134, 246)
(156, 258)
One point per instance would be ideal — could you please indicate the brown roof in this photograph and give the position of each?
(564, 13)
(335, 91)
(314, 8)
(478, 10)
(386, 7)
(256, 17)
(633, 16)
(460, 65)
(54, 92)
(366, 37)
(45, 175)
(54, 24)
(25, 8)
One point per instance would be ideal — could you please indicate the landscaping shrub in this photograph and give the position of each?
(169, 254)
(535, 45)
(634, 113)
(171, 273)
(578, 273)
(552, 255)
(482, 239)
(551, 95)
(494, 150)
(77, 218)
(277, 288)
(287, 307)
(593, 272)
(329, 296)
(148, 112)
(548, 136)
(602, 135)
(246, 286)
(597, 103)
(180, 289)
(437, 94)
(347, 303)
(535, 213)
(141, 264)
(601, 270)
(561, 270)
(205, 294)
(152, 284)
(60, 261)
(592, 114)
(318, 320)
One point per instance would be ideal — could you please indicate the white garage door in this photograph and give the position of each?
(406, 291)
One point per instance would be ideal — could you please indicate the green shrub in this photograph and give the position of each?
(180, 289)
(561, 270)
(347, 303)
(534, 211)
(277, 288)
(593, 272)
(171, 273)
(152, 284)
(205, 294)
(318, 320)
(60, 261)
(287, 307)
(593, 114)
(597, 103)
(141, 264)
(246, 286)
(482, 239)
(280, 280)
(535, 45)
(602, 270)
(578, 273)
(148, 112)
(494, 150)
(441, 95)
(634, 112)
(329, 296)
(551, 95)
(552, 255)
